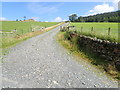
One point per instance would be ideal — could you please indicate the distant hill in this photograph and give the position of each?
(104, 17)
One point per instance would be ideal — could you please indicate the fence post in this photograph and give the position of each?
(81, 29)
(31, 29)
(22, 31)
(60, 27)
(91, 30)
(109, 30)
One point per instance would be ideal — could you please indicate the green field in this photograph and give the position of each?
(23, 27)
(8, 39)
(100, 30)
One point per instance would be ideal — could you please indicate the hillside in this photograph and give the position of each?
(104, 17)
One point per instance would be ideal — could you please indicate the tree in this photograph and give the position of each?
(24, 18)
(81, 19)
(104, 17)
(73, 17)
(16, 19)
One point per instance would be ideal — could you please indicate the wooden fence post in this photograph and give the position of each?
(22, 31)
(109, 30)
(60, 27)
(31, 29)
(81, 29)
(91, 30)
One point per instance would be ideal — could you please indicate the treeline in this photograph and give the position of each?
(105, 17)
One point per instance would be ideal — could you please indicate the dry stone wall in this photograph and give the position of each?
(110, 51)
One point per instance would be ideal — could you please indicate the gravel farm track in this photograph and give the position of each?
(41, 62)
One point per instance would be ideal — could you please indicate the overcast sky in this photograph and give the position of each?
(54, 11)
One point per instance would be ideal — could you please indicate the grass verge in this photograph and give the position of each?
(74, 49)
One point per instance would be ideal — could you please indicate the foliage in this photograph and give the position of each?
(104, 17)
(73, 17)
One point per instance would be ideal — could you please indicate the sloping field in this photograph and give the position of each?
(13, 32)
(24, 27)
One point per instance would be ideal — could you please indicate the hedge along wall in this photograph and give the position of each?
(109, 51)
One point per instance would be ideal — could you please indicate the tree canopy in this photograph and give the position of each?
(104, 17)
(73, 17)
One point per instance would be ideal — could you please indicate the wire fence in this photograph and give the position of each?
(108, 33)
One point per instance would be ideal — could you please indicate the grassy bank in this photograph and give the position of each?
(80, 52)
